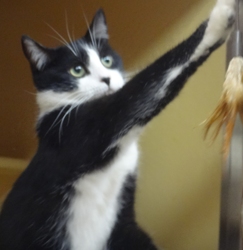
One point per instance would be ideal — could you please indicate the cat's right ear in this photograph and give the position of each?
(37, 55)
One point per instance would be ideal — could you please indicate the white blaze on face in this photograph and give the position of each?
(92, 83)
(89, 87)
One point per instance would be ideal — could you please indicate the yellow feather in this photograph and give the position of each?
(230, 104)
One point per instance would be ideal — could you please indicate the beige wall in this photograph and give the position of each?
(179, 185)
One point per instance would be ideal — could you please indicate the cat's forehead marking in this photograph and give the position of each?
(86, 53)
(95, 65)
(92, 54)
(93, 57)
(79, 50)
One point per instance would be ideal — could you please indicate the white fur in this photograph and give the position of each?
(92, 85)
(217, 27)
(89, 87)
(94, 208)
(171, 75)
(216, 30)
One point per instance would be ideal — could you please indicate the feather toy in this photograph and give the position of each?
(230, 104)
(231, 101)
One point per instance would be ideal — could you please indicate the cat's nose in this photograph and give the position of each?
(106, 80)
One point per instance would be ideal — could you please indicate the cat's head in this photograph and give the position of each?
(77, 72)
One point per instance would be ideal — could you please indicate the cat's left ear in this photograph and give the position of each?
(98, 28)
(37, 55)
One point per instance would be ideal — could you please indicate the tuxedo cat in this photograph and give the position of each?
(78, 191)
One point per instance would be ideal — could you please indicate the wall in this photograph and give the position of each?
(179, 184)
(179, 188)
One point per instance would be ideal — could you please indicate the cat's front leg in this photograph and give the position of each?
(157, 85)
(151, 90)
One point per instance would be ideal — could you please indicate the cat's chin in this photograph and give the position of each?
(110, 91)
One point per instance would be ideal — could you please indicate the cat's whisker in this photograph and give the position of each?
(77, 96)
(77, 109)
(73, 38)
(99, 43)
(89, 30)
(59, 114)
(94, 38)
(75, 42)
(69, 36)
(74, 105)
(54, 123)
(62, 39)
(64, 43)
(31, 93)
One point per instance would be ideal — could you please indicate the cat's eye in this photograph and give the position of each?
(107, 61)
(78, 71)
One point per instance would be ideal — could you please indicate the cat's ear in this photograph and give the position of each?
(37, 55)
(98, 28)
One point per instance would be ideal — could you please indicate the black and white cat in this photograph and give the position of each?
(78, 191)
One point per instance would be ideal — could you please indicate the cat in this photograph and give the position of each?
(78, 191)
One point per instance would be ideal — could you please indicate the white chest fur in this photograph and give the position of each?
(94, 208)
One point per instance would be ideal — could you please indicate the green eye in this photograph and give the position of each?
(107, 61)
(77, 71)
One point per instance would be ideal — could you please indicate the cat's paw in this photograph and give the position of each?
(220, 22)
(219, 27)
(222, 18)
